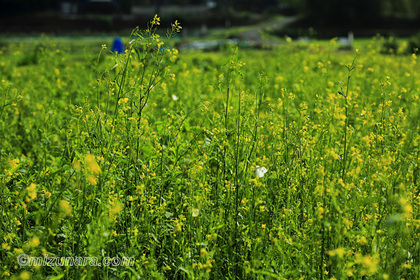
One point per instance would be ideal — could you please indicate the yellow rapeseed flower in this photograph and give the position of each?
(5, 246)
(156, 20)
(203, 252)
(34, 242)
(91, 164)
(47, 194)
(65, 208)
(31, 191)
(339, 252)
(371, 263)
(92, 180)
(13, 163)
(116, 208)
(24, 275)
(18, 251)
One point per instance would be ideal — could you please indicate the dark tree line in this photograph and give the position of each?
(21, 7)
(363, 12)
(340, 11)
(17, 7)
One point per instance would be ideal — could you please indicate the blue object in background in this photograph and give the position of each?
(118, 46)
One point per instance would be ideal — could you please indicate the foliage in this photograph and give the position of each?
(414, 43)
(389, 46)
(359, 13)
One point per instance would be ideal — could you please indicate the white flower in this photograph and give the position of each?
(195, 212)
(260, 171)
(174, 97)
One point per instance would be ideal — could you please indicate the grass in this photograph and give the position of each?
(210, 165)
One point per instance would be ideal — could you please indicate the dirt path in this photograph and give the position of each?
(254, 35)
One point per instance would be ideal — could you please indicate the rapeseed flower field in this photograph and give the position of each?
(296, 162)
